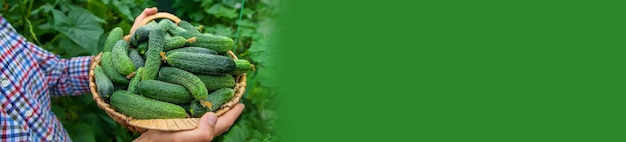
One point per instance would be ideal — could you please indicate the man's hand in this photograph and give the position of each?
(146, 12)
(209, 127)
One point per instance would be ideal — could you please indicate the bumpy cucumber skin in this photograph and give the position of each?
(115, 35)
(187, 26)
(243, 66)
(140, 107)
(134, 82)
(156, 43)
(142, 48)
(104, 84)
(219, 97)
(215, 100)
(197, 110)
(165, 24)
(163, 91)
(142, 33)
(174, 42)
(221, 44)
(119, 55)
(184, 78)
(192, 50)
(202, 63)
(136, 58)
(109, 70)
(214, 82)
(175, 30)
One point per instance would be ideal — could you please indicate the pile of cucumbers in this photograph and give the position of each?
(167, 70)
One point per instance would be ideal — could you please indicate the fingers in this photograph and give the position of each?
(146, 12)
(204, 132)
(207, 122)
(225, 121)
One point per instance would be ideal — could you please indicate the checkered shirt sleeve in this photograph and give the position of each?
(29, 77)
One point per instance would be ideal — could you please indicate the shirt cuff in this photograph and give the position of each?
(79, 74)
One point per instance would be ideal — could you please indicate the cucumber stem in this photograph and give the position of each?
(191, 40)
(163, 58)
(131, 75)
(207, 104)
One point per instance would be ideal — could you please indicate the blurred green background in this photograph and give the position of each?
(73, 28)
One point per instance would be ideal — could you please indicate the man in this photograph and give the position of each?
(30, 76)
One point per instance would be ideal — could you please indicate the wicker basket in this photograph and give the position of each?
(141, 125)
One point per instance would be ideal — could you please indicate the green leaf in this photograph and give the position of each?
(246, 32)
(219, 10)
(238, 133)
(268, 114)
(58, 111)
(257, 50)
(82, 132)
(197, 16)
(46, 8)
(123, 9)
(246, 23)
(71, 49)
(232, 3)
(267, 27)
(248, 12)
(206, 3)
(101, 42)
(221, 30)
(125, 26)
(256, 140)
(266, 74)
(82, 10)
(123, 135)
(96, 8)
(45, 26)
(79, 26)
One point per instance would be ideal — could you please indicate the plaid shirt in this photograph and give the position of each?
(29, 76)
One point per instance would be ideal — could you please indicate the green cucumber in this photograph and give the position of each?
(142, 33)
(193, 50)
(115, 35)
(136, 58)
(212, 103)
(201, 63)
(103, 83)
(164, 91)
(181, 77)
(174, 42)
(188, 26)
(165, 24)
(175, 30)
(119, 55)
(134, 82)
(109, 70)
(153, 57)
(142, 48)
(139, 107)
(214, 82)
(243, 66)
(221, 44)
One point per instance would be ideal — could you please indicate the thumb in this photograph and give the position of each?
(207, 122)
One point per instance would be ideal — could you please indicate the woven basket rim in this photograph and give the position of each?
(141, 125)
